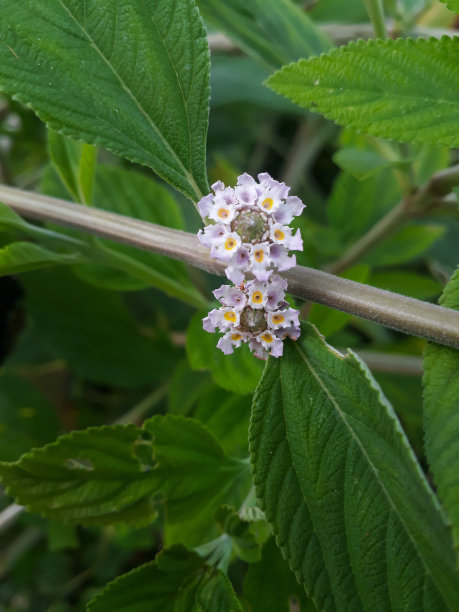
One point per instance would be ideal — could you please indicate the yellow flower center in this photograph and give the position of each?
(267, 338)
(279, 235)
(236, 337)
(223, 213)
(230, 244)
(267, 203)
(230, 316)
(278, 318)
(259, 255)
(257, 297)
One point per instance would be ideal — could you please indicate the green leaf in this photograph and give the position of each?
(441, 415)
(11, 220)
(408, 283)
(354, 205)
(360, 163)
(21, 257)
(27, 419)
(239, 372)
(270, 585)
(167, 584)
(404, 89)
(131, 76)
(216, 594)
(338, 481)
(244, 541)
(75, 163)
(186, 388)
(275, 32)
(93, 330)
(193, 469)
(405, 245)
(92, 477)
(452, 4)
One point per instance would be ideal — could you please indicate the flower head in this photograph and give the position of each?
(249, 226)
(256, 313)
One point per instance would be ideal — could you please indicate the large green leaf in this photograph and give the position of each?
(94, 477)
(20, 257)
(441, 415)
(340, 485)
(275, 32)
(406, 90)
(239, 372)
(178, 580)
(132, 76)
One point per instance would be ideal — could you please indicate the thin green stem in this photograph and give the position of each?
(140, 410)
(375, 12)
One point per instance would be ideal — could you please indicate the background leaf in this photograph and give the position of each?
(25, 256)
(93, 477)
(75, 163)
(341, 487)
(441, 415)
(406, 90)
(239, 372)
(275, 32)
(452, 4)
(93, 330)
(133, 77)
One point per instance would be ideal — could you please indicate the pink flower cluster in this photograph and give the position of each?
(249, 230)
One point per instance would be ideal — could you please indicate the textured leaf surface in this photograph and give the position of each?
(25, 256)
(239, 372)
(92, 477)
(441, 415)
(132, 76)
(274, 31)
(216, 594)
(192, 465)
(340, 485)
(402, 89)
(167, 584)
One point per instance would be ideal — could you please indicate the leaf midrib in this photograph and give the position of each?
(173, 154)
(370, 463)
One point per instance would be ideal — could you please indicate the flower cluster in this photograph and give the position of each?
(249, 230)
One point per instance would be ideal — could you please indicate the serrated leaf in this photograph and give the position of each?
(75, 163)
(441, 415)
(239, 372)
(163, 585)
(216, 594)
(131, 76)
(405, 90)
(193, 468)
(405, 245)
(92, 477)
(273, 31)
(336, 478)
(19, 257)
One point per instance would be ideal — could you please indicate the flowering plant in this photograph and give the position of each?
(250, 232)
